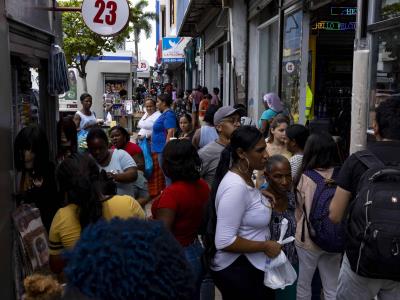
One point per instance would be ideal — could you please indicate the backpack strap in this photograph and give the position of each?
(314, 176)
(369, 159)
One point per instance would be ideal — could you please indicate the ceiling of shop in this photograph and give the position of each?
(198, 16)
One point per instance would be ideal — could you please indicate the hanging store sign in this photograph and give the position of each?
(290, 67)
(106, 17)
(143, 66)
(334, 26)
(173, 49)
(343, 11)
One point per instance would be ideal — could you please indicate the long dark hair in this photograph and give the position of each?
(32, 138)
(79, 178)
(246, 138)
(181, 161)
(67, 126)
(320, 152)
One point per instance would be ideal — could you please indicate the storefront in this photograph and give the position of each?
(383, 37)
(310, 65)
(27, 32)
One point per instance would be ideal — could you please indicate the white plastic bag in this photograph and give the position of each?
(279, 272)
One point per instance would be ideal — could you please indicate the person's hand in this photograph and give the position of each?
(272, 249)
(111, 175)
(270, 196)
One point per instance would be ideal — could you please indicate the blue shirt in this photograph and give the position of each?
(165, 121)
(266, 116)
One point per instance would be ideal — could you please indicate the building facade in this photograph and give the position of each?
(330, 61)
(27, 32)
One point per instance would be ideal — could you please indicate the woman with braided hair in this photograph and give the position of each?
(89, 197)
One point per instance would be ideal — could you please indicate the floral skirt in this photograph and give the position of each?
(156, 182)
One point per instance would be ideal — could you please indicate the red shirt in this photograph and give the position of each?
(188, 200)
(131, 148)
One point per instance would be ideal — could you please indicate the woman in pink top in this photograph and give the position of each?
(320, 155)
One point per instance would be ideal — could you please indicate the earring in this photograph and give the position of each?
(248, 166)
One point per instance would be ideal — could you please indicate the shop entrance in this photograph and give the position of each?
(332, 33)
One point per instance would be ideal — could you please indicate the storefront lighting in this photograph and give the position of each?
(334, 26)
(343, 11)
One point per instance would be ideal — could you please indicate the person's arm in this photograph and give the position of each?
(129, 175)
(139, 159)
(241, 245)
(264, 126)
(170, 133)
(339, 204)
(56, 261)
(230, 211)
(166, 215)
(128, 165)
(77, 120)
(170, 125)
(196, 138)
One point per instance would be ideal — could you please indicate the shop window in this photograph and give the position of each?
(268, 78)
(291, 63)
(387, 75)
(388, 9)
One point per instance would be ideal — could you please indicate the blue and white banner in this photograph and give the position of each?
(173, 49)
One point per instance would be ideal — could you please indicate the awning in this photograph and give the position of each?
(192, 15)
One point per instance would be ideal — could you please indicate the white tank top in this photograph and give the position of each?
(86, 120)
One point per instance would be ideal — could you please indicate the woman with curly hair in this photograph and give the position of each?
(130, 259)
(89, 197)
(181, 205)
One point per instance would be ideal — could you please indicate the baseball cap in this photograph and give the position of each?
(223, 112)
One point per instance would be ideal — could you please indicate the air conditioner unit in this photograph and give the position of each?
(226, 3)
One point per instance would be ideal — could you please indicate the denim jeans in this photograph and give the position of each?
(193, 254)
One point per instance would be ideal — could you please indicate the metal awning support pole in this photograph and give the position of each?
(281, 25)
(360, 94)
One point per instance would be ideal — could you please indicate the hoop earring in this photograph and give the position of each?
(248, 166)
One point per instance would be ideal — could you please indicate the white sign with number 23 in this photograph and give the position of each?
(105, 17)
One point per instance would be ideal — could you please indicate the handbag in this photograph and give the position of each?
(148, 160)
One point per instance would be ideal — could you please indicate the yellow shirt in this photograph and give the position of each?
(65, 229)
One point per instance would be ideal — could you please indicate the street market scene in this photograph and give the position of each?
(200, 150)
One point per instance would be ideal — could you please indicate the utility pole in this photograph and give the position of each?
(360, 94)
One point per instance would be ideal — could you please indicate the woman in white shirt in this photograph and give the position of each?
(156, 182)
(147, 121)
(240, 215)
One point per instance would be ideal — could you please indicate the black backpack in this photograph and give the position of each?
(373, 225)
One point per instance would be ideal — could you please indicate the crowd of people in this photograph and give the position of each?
(199, 198)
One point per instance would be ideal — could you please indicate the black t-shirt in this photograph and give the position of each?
(352, 169)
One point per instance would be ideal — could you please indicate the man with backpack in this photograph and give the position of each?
(369, 193)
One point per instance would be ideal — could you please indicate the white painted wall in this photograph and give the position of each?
(254, 108)
(96, 69)
(238, 34)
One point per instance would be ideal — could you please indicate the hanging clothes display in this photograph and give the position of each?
(58, 72)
